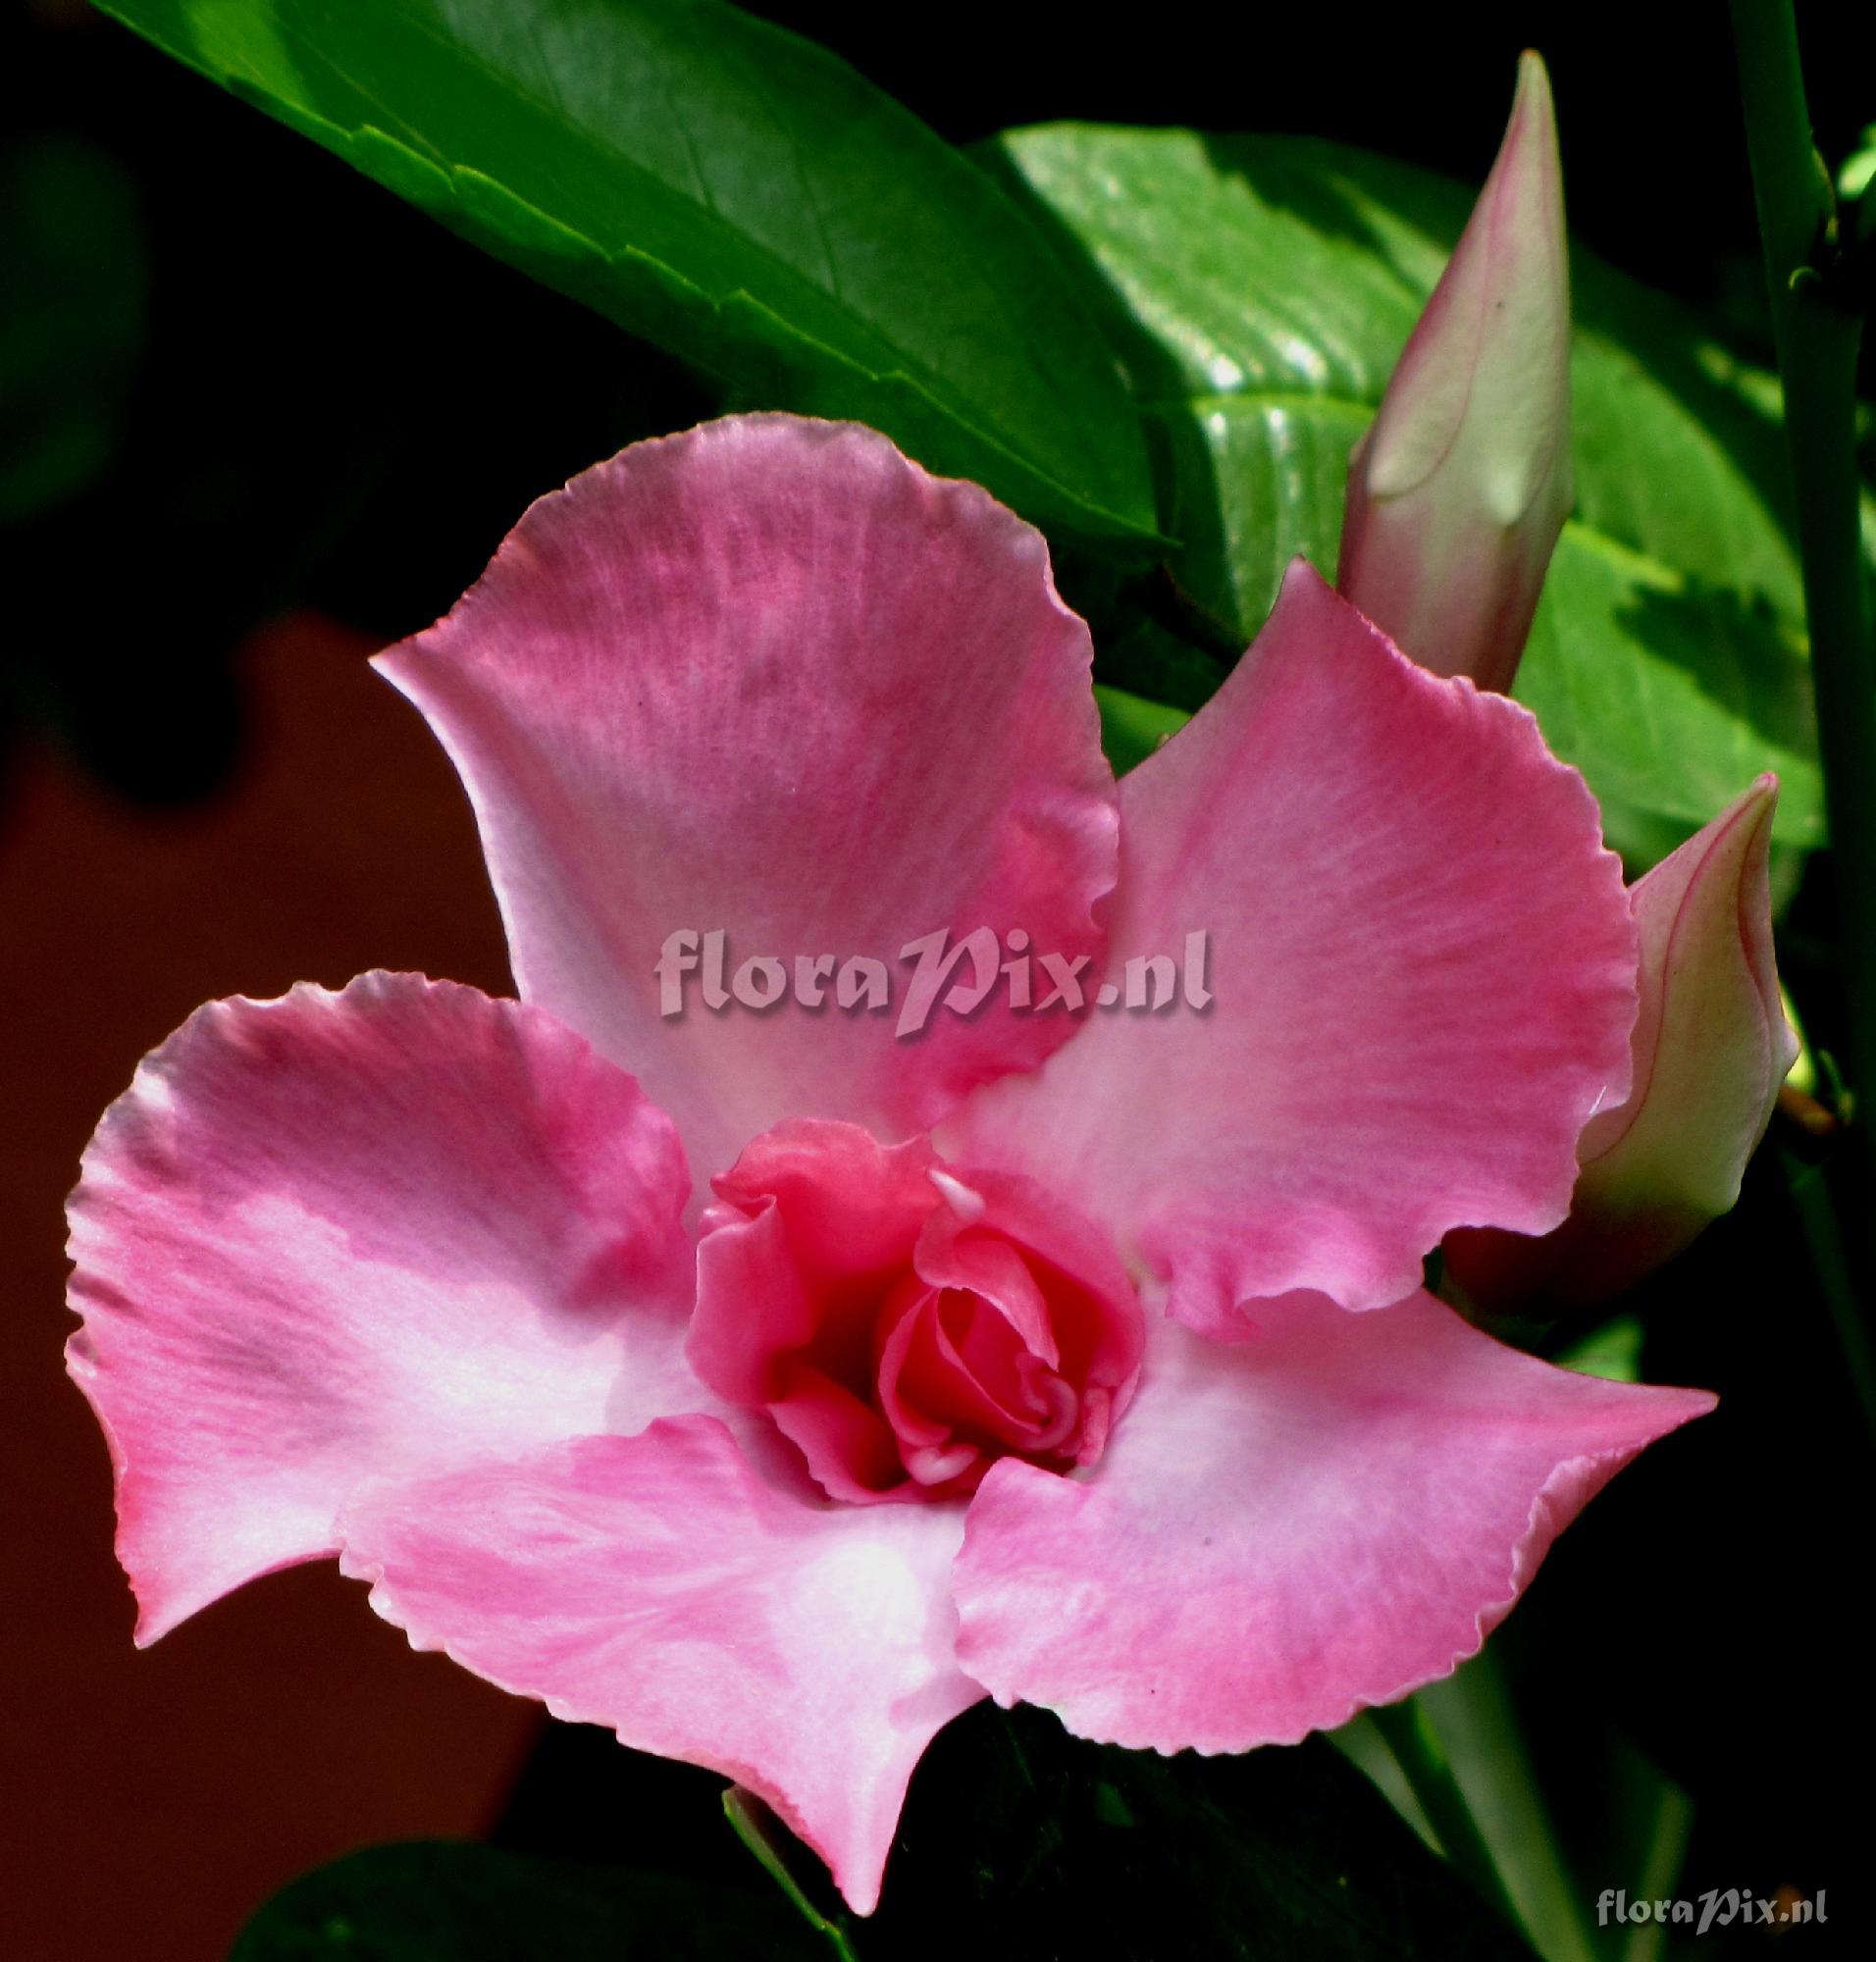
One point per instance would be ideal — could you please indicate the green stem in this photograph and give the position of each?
(1817, 340)
(1662, 1860)
(1474, 1715)
(760, 1830)
(1423, 1764)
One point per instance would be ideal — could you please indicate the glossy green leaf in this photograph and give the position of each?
(441, 1901)
(728, 190)
(1260, 288)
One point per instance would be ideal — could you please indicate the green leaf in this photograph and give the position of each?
(1260, 288)
(440, 1902)
(1020, 1839)
(728, 190)
(1567, 1803)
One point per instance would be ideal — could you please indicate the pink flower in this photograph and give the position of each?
(1066, 1399)
(1459, 491)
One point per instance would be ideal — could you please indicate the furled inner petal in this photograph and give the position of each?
(905, 1325)
(958, 1386)
(814, 1228)
(1055, 1280)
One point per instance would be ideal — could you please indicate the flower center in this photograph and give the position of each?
(960, 1387)
(907, 1324)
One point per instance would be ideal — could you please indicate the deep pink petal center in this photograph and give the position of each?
(907, 1324)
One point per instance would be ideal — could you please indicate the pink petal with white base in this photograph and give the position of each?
(1318, 1518)
(771, 677)
(337, 1236)
(657, 1585)
(1423, 968)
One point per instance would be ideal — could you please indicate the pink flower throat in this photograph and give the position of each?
(904, 1324)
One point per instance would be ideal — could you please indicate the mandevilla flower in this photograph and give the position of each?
(1459, 490)
(1711, 1047)
(1079, 1358)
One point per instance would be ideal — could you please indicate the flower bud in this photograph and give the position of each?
(1711, 1047)
(1458, 491)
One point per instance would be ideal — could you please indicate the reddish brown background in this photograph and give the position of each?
(151, 1800)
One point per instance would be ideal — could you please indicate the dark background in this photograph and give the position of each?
(334, 412)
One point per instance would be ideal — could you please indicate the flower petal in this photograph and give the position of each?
(338, 1236)
(1423, 968)
(657, 1585)
(773, 679)
(1321, 1516)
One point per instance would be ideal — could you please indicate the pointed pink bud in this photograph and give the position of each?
(1457, 493)
(1711, 1047)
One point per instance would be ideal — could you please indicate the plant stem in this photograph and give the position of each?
(1475, 1716)
(760, 1830)
(1817, 340)
(1423, 1764)
(1662, 1860)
